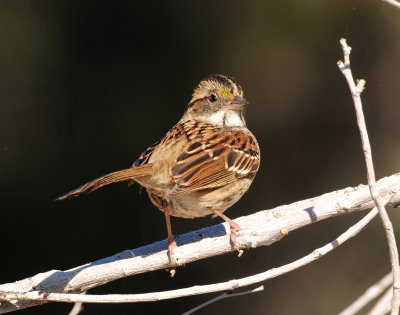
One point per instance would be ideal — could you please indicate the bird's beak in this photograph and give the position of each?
(238, 103)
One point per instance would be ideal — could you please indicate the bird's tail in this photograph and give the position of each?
(115, 177)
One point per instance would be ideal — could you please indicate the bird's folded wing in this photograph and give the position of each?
(215, 161)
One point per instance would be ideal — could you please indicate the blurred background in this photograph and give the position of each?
(86, 86)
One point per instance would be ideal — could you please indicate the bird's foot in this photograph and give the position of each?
(171, 248)
(234, 227)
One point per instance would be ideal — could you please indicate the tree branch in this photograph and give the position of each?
(198, 289)
(262, 228)
(382, 307)
(370, 294)
(393, 2)
(223, 296)
(356, 90)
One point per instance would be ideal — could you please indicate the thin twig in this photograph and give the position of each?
(393, 2)
(356, 90)
(221, 297)
(198, 289)
(77, 308)
(370, 294)
(383, 305)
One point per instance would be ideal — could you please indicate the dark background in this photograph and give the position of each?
(86, 86)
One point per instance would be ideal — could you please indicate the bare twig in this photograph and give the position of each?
(383, 305)
(198, 289)
(262, 228)
(221, 297)
(393, 2)
(356, 91)
(370, 294)
(77, 308)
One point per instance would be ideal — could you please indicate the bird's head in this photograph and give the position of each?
(217, 100)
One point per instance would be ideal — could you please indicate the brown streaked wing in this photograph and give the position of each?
(215, 161)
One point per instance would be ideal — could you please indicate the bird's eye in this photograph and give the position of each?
(212, 98)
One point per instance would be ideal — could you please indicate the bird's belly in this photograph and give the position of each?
(202, 203)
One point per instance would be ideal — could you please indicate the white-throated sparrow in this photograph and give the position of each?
(203, 165)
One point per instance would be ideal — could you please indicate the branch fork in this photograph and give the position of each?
(356, 90)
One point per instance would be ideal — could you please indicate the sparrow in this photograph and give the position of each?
(203, 165)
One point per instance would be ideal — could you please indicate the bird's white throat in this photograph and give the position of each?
(228, 118)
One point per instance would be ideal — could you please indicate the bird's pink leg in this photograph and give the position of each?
(234, 227)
